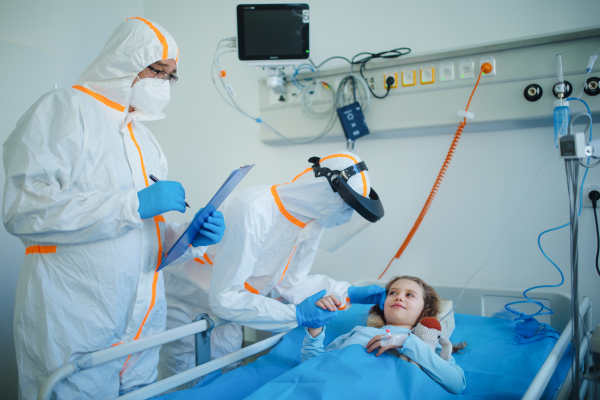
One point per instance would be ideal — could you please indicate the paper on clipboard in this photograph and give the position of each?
(184, 241)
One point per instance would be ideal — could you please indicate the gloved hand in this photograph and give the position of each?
(373, 294)
(312, 316)
(211, 231)
(160, 197)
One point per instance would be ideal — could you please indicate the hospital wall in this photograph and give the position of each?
(488, 179)
(204, 139)
(43, 43)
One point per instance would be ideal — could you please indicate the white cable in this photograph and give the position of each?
(583, 114)
(343, 100)
(232, 103)
(503, 230)
(307, 103)
(337, 101)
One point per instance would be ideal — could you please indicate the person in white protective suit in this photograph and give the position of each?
(78, 196)
(272, 236)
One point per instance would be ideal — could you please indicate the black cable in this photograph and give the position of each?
(394, 53)
(598, 237)
(389, 87)
(594, 197)
(329, 59)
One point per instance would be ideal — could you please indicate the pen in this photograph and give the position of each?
(155, 179)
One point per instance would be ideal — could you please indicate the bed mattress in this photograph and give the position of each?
(496, 367)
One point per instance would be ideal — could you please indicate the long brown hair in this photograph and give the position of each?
(431, 308)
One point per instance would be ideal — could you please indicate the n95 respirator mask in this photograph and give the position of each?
(151, 95)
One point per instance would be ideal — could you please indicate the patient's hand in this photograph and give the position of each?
(330, 303)
(375, 343)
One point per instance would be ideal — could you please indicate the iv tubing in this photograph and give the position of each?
(438, 181)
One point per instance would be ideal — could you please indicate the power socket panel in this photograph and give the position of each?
(291, 94)
(586, 195)
(394, 75)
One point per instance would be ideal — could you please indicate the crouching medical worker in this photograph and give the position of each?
(272, 236)
(79, 196)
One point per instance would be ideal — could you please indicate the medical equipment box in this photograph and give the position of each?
(353, 121)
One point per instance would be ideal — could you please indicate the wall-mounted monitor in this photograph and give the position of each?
(273, 34)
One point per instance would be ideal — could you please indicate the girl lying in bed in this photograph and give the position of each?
(408, 300)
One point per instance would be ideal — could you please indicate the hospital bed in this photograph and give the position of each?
(495, 366)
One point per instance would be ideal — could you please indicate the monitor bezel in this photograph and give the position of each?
(271, 57)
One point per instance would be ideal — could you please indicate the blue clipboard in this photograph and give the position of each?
(185, 240)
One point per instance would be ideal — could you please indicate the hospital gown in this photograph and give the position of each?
(447, 373)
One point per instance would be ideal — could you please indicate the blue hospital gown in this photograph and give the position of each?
(448, 374)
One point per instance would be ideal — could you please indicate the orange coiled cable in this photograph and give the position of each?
(484, 68)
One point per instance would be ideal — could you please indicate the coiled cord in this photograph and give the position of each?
(438, 181)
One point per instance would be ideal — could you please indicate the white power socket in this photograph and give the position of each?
(586, 195)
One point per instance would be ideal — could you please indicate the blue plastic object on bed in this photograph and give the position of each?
(496, 367)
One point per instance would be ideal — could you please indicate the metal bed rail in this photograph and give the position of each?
(201, 370)
(203, 324)
(539, 383)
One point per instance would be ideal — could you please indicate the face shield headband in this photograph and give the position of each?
(370, 208)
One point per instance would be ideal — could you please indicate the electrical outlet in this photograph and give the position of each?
(408, 77)
(427, 75)
(586, 194)
(394, 75)
(491, 61)
(466, 69)
(446, 72)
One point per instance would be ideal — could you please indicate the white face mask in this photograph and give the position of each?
(150, 95)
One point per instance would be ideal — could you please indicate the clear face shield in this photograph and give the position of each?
(334, 238)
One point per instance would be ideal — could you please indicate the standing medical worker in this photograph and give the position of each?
(79, 196)
(272, 237)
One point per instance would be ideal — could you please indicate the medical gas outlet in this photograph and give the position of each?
(592, 86)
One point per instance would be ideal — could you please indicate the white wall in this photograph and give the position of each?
(75, 31)
(487, 180)
(204, 139)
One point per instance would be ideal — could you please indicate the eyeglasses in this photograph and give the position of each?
(163, 75)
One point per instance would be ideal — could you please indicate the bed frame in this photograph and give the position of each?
(475, 301)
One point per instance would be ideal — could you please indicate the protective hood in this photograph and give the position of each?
(370, 208)
(134, 45)
(308, 197)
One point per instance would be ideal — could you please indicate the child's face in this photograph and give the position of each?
(404, 303)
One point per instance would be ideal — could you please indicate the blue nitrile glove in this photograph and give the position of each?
(211, 231)
(373, 294)
(312, 316)
(160, 197)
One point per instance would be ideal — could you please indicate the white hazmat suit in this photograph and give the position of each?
(74, 165)
(270, 243)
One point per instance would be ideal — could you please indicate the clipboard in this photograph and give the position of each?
(185, 240)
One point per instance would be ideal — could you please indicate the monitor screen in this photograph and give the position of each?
(273, 31)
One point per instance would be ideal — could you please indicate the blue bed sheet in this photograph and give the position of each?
(495, 366)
